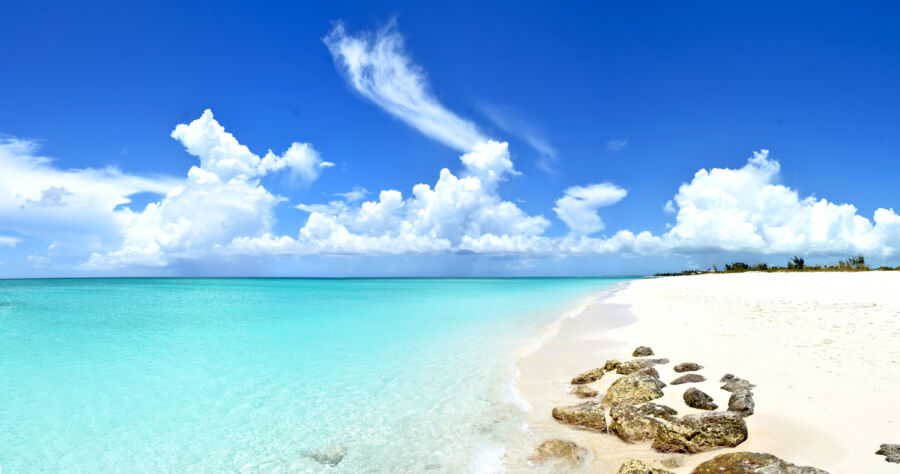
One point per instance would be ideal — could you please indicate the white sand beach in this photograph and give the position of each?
(822, 348)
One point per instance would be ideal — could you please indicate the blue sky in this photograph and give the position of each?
(605, 110)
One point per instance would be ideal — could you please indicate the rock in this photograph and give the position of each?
(583, 391)
(687, 367)
(640, 467)
(633, 389)
(733, 383)
(611, 365)
(588, 415)
(700, 432)
(671, 463)
(688, 378)
(637, 423)
(891, 452)
(592, 375)
(559, 449)
(329, 455)
(751, 463)
(649, 371)
(642, 351)
(741, 401)
(632, 366)
(698, 399)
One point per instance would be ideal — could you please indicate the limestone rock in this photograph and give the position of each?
(687, 367)
(751, 463)
(733, 383)
(649, 371)
(632, 366)
(688, 378)
(611, 365)
(891, 452)
(592, 375)
(696, 398)
(700, 432)
(642, 351)
(741, 401)
(640, 467)
(634, 389)
(588, 415)
(583, 391)
(637, 423)
(559, 449)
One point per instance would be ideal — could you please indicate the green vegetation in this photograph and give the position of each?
(796, 264)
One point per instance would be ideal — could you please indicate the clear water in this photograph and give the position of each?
(265, 375)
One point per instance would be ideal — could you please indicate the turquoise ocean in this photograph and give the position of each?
(267, 375)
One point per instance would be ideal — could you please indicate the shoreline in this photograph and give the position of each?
(819, 346)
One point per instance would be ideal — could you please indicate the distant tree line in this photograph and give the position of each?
(795, 264)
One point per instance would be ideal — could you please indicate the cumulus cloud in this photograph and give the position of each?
(219, 201)
(378, 67)
(75, 207)
(747, 210)
(578, 207)
(221, 154)
(460, 213)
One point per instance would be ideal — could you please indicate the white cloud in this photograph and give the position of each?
(358, 193)
(616, 144)
(75, 207)
(578, 207)
(378, 67)
(219, 201)
(458, 214)
(9, 241)
(514, 122)
(746, 210)
(220, 153)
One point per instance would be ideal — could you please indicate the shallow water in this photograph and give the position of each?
(271, 375)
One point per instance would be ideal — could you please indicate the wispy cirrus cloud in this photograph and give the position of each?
(9, 241)
(377, 66)
(514, 122)
(616, 144)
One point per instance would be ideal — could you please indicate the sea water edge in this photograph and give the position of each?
(272, 375)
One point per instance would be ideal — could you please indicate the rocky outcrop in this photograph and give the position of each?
(611, 365)
(733, 383)
(741, 401)
(559, 450)
(751, 463)
(588, 415)
(696, 398)
(640, 467)
(592, 375)
(688, 378)
(583, 391)
(634, 389)
(637, 423)
(632, 366)
(687, 367)
(891, 452)
(642, 351)
(700, 432)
